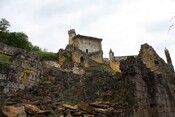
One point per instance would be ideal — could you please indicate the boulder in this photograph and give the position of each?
(32, 109)
(70, 107)
(86, 107)
(12, 111)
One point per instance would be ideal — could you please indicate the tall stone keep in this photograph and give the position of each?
(89, 47)
(71, 34)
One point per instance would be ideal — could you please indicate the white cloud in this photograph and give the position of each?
(123, 24)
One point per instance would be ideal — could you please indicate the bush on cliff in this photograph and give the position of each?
(17, 39)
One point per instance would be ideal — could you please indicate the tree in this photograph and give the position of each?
(20, 40)
(4, 25)
(15, 39)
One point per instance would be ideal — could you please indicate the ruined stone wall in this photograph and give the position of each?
(115, 62)
(164, 81)
(74, 55)
(63, 56)
(115, 65)
(97, 56)
(154, 84)
(78, 56)
(76, 43)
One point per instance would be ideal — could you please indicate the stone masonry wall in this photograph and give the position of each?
(115, 65)
(96, 56)
(73, 55)
(154, 84)
(115, 62)
(91, 45)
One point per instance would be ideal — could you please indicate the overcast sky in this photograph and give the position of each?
(123, 24)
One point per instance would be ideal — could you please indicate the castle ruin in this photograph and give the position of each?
(114, 61)
(83, 49)
(88, 51)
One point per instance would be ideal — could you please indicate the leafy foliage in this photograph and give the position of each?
(36, 48)
(20, 40)
(4, 24)
(15, 39)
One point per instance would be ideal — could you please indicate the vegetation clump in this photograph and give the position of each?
(4, 59)
(20, 40)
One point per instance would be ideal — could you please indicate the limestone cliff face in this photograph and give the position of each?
(22, 72)
(154, 84)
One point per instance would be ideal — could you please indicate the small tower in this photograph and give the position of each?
(71, 34)
(168, 57)
(111, 55)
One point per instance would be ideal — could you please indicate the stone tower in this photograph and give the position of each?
(111, 55)
(168, 57)
(71, 34)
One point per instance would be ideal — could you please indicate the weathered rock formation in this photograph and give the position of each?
(153, 80)
(22, 72)
(145, 87)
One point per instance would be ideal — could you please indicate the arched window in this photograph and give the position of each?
(81, 59)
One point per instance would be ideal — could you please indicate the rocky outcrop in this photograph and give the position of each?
(23, 110)
(9, 50)
(82, 109)
(12, 111)
(22, 72)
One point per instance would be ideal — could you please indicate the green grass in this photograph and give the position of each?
(101, 67)
(4, 58)
(47, 56)
(3, 102)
